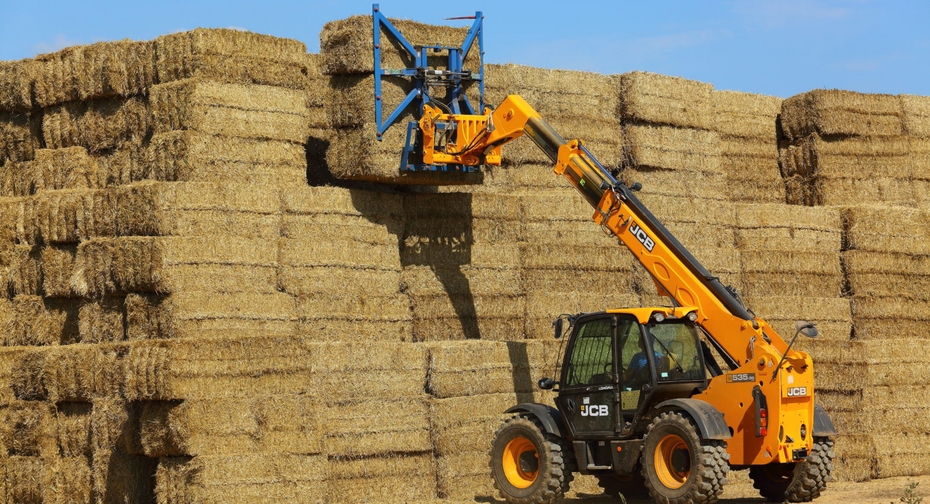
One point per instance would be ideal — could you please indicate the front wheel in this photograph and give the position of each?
(678, 466)
(527, 464)
(799, 481)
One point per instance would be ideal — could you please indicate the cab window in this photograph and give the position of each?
(676, 350)
(591, 361)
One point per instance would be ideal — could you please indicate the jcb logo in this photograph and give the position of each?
(642, 237)
(797, 391)
(594, 410)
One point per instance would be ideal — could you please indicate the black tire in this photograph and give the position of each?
(527, 464)
(678, 466)
(796, 482)
(633, 486)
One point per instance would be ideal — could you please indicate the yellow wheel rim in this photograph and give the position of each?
(673, 461)
(520, 462)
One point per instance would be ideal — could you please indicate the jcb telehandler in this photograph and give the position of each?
(664, 400)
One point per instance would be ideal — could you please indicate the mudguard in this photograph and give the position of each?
(823, 426)
(709, 421)
(547, 415)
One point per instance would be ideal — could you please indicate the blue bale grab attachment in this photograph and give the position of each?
(453, 79)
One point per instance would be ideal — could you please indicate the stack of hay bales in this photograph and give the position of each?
(354, 151)
(840, 147)
(672, 148)
(746, 124)
(461, 258)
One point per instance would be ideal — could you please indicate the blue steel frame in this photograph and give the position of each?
(458, 102)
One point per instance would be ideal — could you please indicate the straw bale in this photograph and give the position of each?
(671, 148)
(24, 276)
(20, 135)
(476, 207)
(196, 314)
(902, 419)
(544, 307)
(840, 192)
(570, 281)
(97, 125)
(916, 115)
(349, 99)
(231, 56)
(24, 477)
(902, 230)
(760, 191)
(357, 154)
(816, 221)
(745, 115)
(72, 428)
(34, 320)
(465, 475)
(340, 201)
(675, 183)
(72, 215)
(346, 45)
(10, 358)
(278, 424)
(565, 205)
(602, 258)
(353, 251)
(465, 368)
(354, 317)
(872, 274)
(27, 429)
(661, 99)
(849, 158)
(195, 209)
(570, 233)
(16, 84)
(790, 261)
(83, 372)
(376, 427)
(17, 179)
(789, 283)
(423, 281)
(198, 157)
(391, 370)
(209, 368)
(17, 222)
(377, 230)
(66, 480)
(919, 161)
(27, 374)
(348, 281)
(832, 316)
(243, 111)
(464, 424)
(836, 112)
(396, 478)
(749, 157)
(102, 321)
(521, 177)
(170, 264)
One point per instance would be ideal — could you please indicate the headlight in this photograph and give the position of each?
(692, 316)
(658, 316)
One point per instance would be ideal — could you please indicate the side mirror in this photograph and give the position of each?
(806, 328)
(558, 324)
(546, 383)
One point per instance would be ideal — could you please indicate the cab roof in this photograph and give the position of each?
(644, 314)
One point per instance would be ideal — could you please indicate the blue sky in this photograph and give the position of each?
(779, 48)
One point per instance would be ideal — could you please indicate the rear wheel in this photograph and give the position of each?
(527, 464)
(796, 482)
(678, 466)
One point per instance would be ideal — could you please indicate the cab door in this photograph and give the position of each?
(588, 395)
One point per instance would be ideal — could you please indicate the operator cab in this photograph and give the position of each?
(619, 363)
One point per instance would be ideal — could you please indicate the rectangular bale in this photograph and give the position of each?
(20, 136)
(462, 476)
(916, 115)
(376, 427)
(98, 125)
(465, 368)
(27, 429)
(674, 183)
(399, 478)
(838, 112)
(902, 230)
(252, 111)
(355, 317)
(392, 370)
(16, 83)
(849, 158)
(32, 320)
(746, 115)
(464, 424)
(893, 192)
(231, 56)
(73, 215)
(660, 99)
(670, 147)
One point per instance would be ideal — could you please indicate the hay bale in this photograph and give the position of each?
(398, 478)
(24, 275)
(836, 112)
(192, 156)
(231, 56)
(28, 429)
(376, 427)
(544, 307)
(197, 209)
(791, 273)
(377, 207)
(34, 320)
(195, 314)
(66, 168)
(10, 358)
(107, 266)
(887, 274)
(84, 372)
(466, 424)
(521, 177)
(72, 428)
(279, 424)
(208, 368)
(675, 183)
(234, 110)
(902, 230)
(97, 125)
(16, 84)
(670, 148)
(465, 368)
(102, 321)
(745, 115)
(338, 316)
(392, 370)
(24, 477)
(346, 45)
(20, 136)
(27, 374)
(788, 227)
(17, 222)
(661, 99)
(72, 215)
(357, 154)
(465, 475)
(916, 115)
(849, 158)
(832, 315)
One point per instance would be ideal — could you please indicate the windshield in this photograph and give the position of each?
(676, 349)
